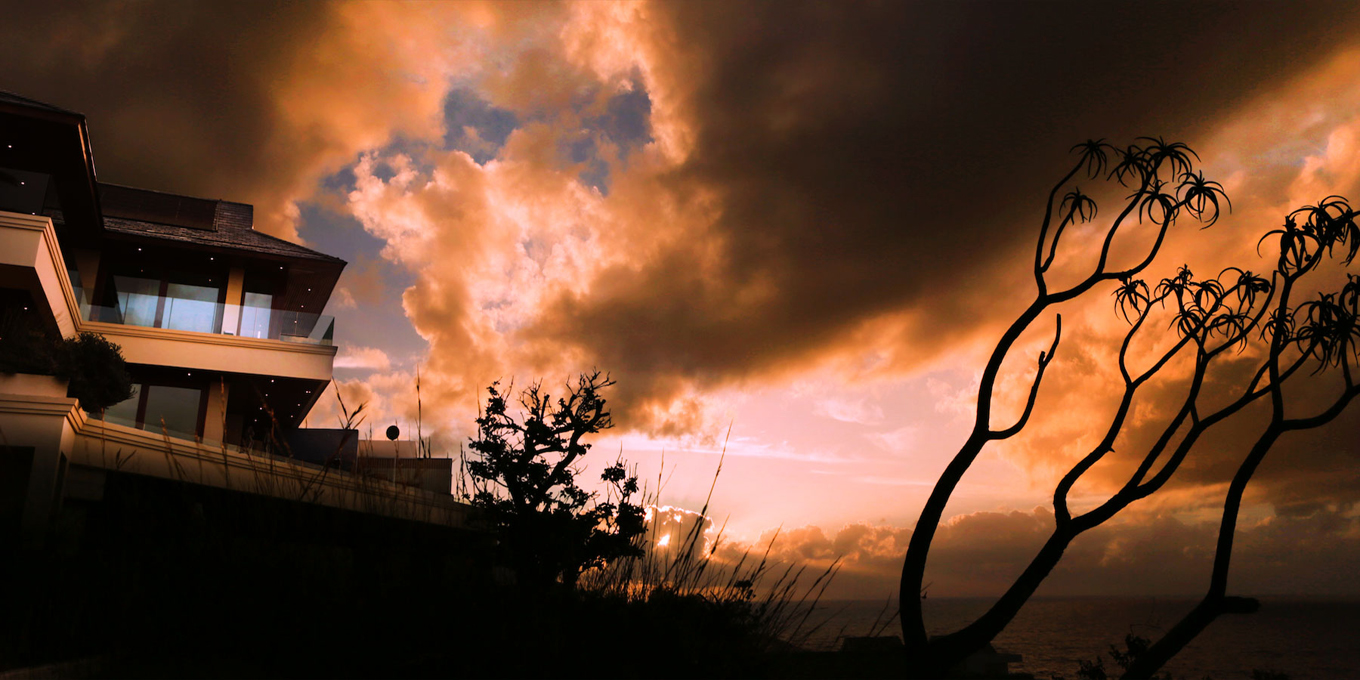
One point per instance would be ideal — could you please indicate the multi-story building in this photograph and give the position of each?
(220, 326)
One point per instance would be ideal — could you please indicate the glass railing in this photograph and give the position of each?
(156, 428)
(196, 314)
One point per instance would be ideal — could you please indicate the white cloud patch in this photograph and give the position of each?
(858, 411)
(367, 358)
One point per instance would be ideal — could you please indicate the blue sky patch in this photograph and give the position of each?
(464, 109)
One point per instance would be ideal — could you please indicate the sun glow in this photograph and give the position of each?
(665, 540)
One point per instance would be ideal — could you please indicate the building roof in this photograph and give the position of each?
(203, 222)
(15, 100)
(53, 141)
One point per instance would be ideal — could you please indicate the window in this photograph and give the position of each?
(125, 412)
(191, 308)
(137, 300)
(178, 408)
(140, 292)
(255, 314)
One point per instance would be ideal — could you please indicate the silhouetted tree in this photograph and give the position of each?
(525, 481)
(1322, 333)
(1210, 316)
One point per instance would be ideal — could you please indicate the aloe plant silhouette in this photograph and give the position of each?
(1322, 333)
(1209, 317)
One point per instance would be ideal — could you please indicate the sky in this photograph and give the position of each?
(790, 231)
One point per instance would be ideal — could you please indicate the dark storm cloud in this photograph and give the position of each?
(878, 157)
(246, 101)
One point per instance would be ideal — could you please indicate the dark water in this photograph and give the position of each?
(1303, 638)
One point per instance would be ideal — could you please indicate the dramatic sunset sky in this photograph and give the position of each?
(809, 222)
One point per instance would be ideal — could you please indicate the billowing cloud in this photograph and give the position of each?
(704, 198)
(768, 223)
(254, 103)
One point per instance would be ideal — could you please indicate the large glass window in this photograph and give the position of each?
(151, 405)
(137, 300)
(255, 315)
(176, 407)
(191, 308)
(125, 412)
(139, 292)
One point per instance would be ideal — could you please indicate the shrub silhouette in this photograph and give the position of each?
(525, 481)
(95, 369)
(92, 366)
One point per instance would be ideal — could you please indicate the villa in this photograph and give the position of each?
(220, 326)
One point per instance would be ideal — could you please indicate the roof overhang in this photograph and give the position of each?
(43, 139)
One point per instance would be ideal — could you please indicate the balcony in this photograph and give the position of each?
(195, 309)
(189, 328)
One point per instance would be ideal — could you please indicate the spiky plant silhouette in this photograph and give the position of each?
(1323, 333)
(1234, 310)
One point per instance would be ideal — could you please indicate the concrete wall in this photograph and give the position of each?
(37, 423)
(30, 259)
(59, 431)
(214, 352)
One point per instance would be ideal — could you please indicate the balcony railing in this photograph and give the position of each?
(185, 313)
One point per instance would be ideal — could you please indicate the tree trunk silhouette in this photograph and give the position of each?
(1216, 601)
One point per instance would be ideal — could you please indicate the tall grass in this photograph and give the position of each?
(771, 600)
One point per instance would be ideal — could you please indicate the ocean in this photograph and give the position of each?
(1303, 638)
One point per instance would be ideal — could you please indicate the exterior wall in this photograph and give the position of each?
(28, 245)
(215, 352)
(35, 414)
(55, 427)
(231, 316)
(214, 423)
(430, 474)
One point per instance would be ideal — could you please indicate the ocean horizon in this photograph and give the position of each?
(1304, 637)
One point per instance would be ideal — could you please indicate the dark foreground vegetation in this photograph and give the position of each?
(165, 579)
